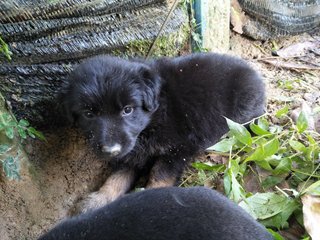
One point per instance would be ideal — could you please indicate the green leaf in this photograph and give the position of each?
(22, 132)
(34, 133)
(257, 155)
(209, 167)
(281, 219)
(232, 187)
(271, 147)
(275, 129)
(235, 190)
(284, 166)
(275, 235)
(274, 159)
(6, 118)
(271, 181)
(302, 172)
(234, 166)
(282, 111)
(306, 238)
(227, 179)
(4, 148)
(30, 133)
(299, 147)
(313, 189)
(9, 132)
(263, 123)
(239, 132)
(11, 168)
(311, 154)
(23, 123)
(4, 48)
(11, 123)
(311, 140)
(271, 209)
(256, 129)
(302, 122)
(225, 145)
(299, 217)
(264, 150)
(1, 126)
(264, 164)
(264, 205)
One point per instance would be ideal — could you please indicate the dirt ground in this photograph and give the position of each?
(64, 169)
(58, 172)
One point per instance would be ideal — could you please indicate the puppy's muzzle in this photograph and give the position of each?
(111, 150)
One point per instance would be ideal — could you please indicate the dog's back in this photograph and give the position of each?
(215, 81)
(201, 89)
(162, 214)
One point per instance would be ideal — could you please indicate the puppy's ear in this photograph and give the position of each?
(150, 88)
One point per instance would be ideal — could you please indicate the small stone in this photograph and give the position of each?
(311, 97)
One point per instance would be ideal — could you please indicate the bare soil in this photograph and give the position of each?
(64, 169)
(57, 174)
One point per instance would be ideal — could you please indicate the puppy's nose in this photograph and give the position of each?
(112, 150)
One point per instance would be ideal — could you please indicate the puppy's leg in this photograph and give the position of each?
(116, 185)
(165, 173)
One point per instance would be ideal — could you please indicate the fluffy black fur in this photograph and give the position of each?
(176, 108)
(164, 213)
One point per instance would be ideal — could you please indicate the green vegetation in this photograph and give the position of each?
(4, 49)
(283, 158)
(170, 45)
(12, 133)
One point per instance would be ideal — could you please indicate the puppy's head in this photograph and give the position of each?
(112, 101)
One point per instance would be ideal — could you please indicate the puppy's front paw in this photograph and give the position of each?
(91, 202)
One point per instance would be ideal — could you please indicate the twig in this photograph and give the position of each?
(291, 66)
(162, 27)
(283, 192)
(314, 171)
(309, 62)
(253, 119)
(278, 57)
(187, 179)
(260, 48)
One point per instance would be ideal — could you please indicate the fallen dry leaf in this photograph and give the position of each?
(311, 215)
(298, 49)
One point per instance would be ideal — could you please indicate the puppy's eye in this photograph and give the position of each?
(88, 114)
(127, 110)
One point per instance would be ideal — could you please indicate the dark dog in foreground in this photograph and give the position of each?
(162, 214)
(152, 117)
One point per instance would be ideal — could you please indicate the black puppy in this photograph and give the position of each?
(154, 116)
(164, 213)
